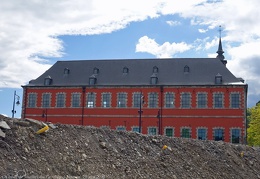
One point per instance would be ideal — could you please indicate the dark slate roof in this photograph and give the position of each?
(202, 71)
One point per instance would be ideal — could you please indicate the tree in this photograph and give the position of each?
(253, 131)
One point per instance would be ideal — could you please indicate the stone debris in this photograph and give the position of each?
(72, 151)
(2, 134)
(4, 125)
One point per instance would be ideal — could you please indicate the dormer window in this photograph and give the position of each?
(155, 69)
(66, 71)
(47, 81)
(125, 70)
(95, 71)
(153, 79)
(92, 80)
(186, 69)
(218, 79)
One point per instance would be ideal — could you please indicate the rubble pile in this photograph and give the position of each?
(65, 151)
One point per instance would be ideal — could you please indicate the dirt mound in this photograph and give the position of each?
(87, 152)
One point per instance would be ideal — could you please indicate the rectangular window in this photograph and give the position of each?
(235, 135)
(185, 100)
(218, 100)
(60, 100)
(201, 100)
(75, 100)
(106, 100)
(136, 100)
(135, 129)
(91, 98)
(32, 100)
(235, 99)
(153, 100)
(120, 128)
(202, 134)
(121, 100)
(185, 133)
(169, 100)
(152, 131)
(169, 132)
(46, 100)
(218, 134)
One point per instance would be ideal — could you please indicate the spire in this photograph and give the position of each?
(220, 50)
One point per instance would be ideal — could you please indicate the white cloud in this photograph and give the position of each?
(173, 23)
(30, 29)
(166, 50)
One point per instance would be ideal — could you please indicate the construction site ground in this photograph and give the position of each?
(73, 151)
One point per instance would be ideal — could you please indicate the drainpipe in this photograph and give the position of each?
(83, 104)
(161, 111)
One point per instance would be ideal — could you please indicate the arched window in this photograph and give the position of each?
(155, 69)
(186, 69)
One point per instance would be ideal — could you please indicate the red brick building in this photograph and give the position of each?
(188, 97)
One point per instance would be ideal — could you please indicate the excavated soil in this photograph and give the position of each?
(71, 151)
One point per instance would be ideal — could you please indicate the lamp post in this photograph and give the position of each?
(16, 97)
(140, 111)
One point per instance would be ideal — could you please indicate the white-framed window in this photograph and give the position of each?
(218, 134)
(121, 100)
(234, 100)
(169, 131)
(106, 100)
(153, 100)
(185, 100)
(60, 100)
(202, 133)
(120, 128)
(46, 100)
(91, 100)
(32, 100)
(235, 135)
(218, 100)
(186, 132)
(152, 130)
(135, 128)
(75, 100)
(169, 100)
(202, 100)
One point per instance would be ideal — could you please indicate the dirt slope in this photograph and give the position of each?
(87, 152)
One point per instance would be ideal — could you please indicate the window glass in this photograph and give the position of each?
(235, 135)
(32, 100)
(152, 131)
(75, 100)
(185, 133)
(120, 128)
(202, 100)
(202, 134)
(46, 100)
(91, 98)
(153, 100)
(235, 99)
(185, 100)
(121, 100)
(169, 100)
(135, 129)
(106, 100)
(60, 100)
(218, 134)
(136, 100)
(169, 132)
(218, 100)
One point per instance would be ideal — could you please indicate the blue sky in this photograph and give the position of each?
(35, 34)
